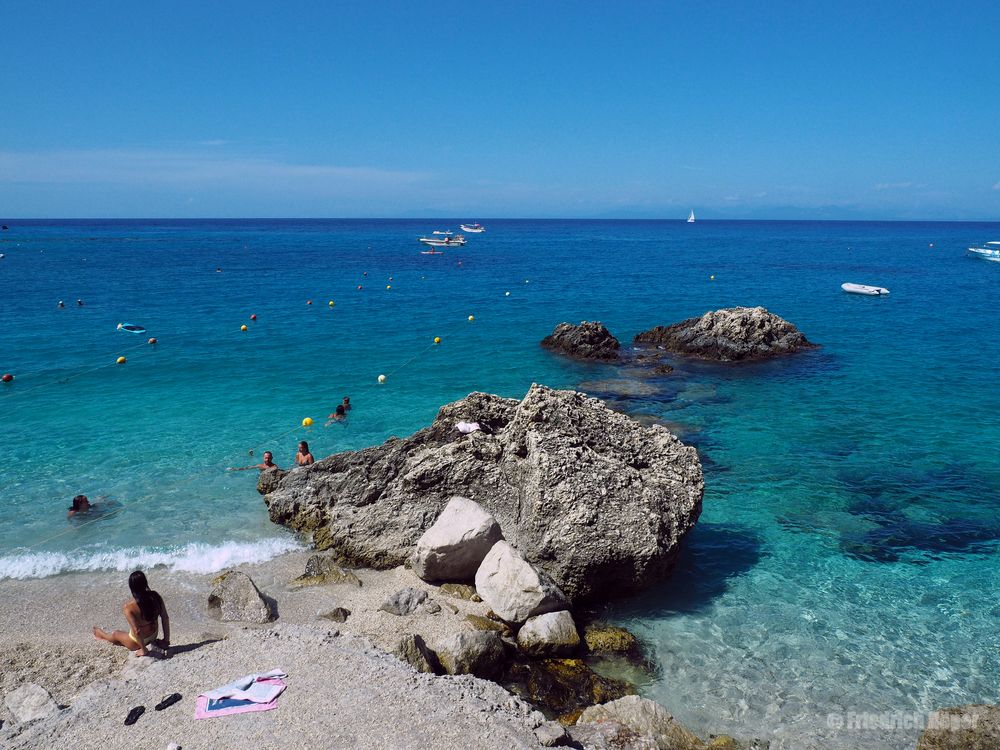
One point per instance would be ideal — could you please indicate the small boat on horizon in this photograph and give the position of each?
(870, 291)
(456, 241)
(473, 228)
(691, 217)
(988, 251)
(438, 231)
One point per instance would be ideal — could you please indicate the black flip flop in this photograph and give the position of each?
(134, 714)
(167, 702)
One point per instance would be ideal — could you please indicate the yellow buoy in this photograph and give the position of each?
(712, 277)
(307, 422)
(471, 318)
(243, 327)
(381, 378)
(387, 286)
(120, 360)
(437, 339)
(330, 303)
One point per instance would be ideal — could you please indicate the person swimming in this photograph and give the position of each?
(347, 403)
(304, 457)
(80, 505)
(339, 415)
(267, 465)
(141, 613)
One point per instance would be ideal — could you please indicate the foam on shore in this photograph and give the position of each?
(195, 557)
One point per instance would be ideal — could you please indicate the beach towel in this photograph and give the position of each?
(466, 427)
(254, 692)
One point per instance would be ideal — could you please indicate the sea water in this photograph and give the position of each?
(845, 565)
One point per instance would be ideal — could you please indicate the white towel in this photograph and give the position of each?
(250, 688)
(466, 427)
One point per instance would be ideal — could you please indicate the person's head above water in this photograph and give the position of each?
(80, 503)
(303, 447)
(340, 410)
(268, 457)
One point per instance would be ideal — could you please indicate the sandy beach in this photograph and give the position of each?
(344, 690)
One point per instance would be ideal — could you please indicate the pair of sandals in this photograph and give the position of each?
(135, 713)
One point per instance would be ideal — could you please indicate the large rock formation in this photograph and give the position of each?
(594, 499)
(732, 334)
(585, 341)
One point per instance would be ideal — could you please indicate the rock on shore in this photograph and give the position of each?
(594, 499)
(589, 340)
(733, 334)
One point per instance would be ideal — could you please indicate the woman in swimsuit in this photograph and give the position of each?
(141, 614)
(304, 457)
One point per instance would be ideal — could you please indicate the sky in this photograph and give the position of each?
(797, 109)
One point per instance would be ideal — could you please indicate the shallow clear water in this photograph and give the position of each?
(846, 556)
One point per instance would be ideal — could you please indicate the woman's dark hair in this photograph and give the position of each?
(303, 447)
(340, 409)
(147, 599)
(78, 501)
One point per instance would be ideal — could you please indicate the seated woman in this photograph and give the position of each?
(141, 614)
(304, 457)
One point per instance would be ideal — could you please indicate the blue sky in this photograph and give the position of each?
(519, 109)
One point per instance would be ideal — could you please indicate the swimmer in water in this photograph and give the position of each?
(304, 457)
(80, 505)
(268, 464)
(339, 415)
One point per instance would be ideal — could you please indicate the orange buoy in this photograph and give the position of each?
(151, 341)
(359, 286)
(253, 317)
(309, 302)
(7, 377)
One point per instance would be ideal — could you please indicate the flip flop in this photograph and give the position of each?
(134, 714)
(167, 702)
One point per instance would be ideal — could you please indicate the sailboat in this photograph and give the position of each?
(691, 218)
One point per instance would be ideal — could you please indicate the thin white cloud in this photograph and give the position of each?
(893, 185)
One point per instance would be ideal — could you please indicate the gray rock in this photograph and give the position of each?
(733, 334)
(549, 634)
(322, 569)
(609, 735)
(430, 607)
(239, 599)
(644, 717)
(514, 588)
(596, 500)
(337, 614)
(462, 590)
(404, 602)
(551, 734)
(478, 652)
(30, 702)
(415, 652)
(589, 340)
(454, 546)
(969, 727)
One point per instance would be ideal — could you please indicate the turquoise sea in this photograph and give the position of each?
(846, 560)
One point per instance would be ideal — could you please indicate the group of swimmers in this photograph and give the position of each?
(303, 457)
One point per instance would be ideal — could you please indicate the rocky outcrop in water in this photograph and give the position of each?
(589, 340)
(733, 334)
(592, 498)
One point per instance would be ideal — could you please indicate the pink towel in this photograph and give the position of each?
(206, 708)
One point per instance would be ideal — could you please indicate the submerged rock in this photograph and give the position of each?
(453, 548)
(589, 340)
(970, 727)
(238, 599)
(732, 334)
(610, 640)
(561, 687)
(514, 588)
(592, 498)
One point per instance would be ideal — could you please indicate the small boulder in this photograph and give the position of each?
(733, 334)
(551, 734)
(30, 702)
(415, 652)
(322, 569)
(338, 614)
(461, 591)
(609, 640)
(430, 607)
(589, 340)
(478, 652)
(609, 735)
(479, 622)
(969, 727)
(454, 546)
(550, 634)
(561, 687)
(238, 599)
(404, 602)
(514, 588)
(644, 717)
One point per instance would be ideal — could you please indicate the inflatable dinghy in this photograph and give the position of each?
(871, 291)
(131, 328)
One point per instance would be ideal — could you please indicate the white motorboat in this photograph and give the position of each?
(456, 241)
(988, 251)
(871, 291)
(691, 218)
(473, 228)
(438, 231)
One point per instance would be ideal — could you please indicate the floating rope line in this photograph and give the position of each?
(67, 378)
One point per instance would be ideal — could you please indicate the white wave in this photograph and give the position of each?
(195, 557)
